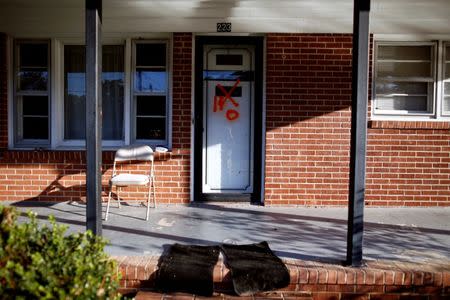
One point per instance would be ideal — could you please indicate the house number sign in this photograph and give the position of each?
(223, 27)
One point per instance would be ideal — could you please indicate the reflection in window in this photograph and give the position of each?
(75, 92)
(150, 81)
(228, 75)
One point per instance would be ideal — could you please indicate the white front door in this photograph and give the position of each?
(228, 122)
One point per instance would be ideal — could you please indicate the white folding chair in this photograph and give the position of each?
(119, 180)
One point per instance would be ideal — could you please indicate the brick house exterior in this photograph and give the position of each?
(307, 137)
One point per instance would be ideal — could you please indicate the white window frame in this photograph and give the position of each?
(431, 94)
(442, 63)
(14, 65)
(56, 93)
(153, 142)
(438, 63)
(59, 130)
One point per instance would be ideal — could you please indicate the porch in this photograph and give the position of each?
(405, 249)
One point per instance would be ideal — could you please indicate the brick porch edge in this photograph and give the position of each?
(377, 280)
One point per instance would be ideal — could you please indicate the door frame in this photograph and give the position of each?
(200, 42)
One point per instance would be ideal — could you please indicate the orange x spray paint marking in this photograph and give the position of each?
(219, 101)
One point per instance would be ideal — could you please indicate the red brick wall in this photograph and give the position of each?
(308, 130)
(308, 127)
(408, 164)
(308, 118)
(60, 175)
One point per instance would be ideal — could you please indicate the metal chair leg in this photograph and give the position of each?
(109, 200)
(118, 198)
(148, 200)
(154, 192)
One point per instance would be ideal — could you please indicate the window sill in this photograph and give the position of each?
(78, 148)
(394, 124)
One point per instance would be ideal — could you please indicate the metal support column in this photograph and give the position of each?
(93, 116)
(360, 67)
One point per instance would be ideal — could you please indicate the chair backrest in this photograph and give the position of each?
(134, 152)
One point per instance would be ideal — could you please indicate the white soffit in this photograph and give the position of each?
(66, 17)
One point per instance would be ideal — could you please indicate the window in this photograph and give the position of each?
(31, 105)
(446, 81)
(405, 78)
(49, 95)
(113, 78)
(150, 92)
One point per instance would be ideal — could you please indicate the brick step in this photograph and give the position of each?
(149, 295)
(313, 279)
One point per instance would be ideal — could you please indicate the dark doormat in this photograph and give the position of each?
(254, 268)
(187, 268)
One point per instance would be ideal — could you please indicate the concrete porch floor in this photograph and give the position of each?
(415, 235)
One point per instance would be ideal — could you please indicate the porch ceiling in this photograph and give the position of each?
(66, 17)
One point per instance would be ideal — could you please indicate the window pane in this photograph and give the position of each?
(447, 53)
(446, 104)
(151, 55)
(151, 106)
(225, 91)
(399, 69)
(420, 88)
(74, 92)
(229, 75)
(35, 128)
(405, 52)
(229, 59)
(447, 71)
(32, 79)
(150, 128)
(33, 55)
(35, 105)
(447, 88)
(406, 103)
(150, 81)
(32, 76)
(113, 77)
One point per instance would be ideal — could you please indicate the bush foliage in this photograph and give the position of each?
(42, 262)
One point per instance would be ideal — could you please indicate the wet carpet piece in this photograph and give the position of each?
(187, 268)
(254, 268)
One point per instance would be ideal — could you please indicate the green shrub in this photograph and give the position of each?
(42, 262)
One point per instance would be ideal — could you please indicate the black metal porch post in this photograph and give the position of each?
(93, 116)
(360, 65)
